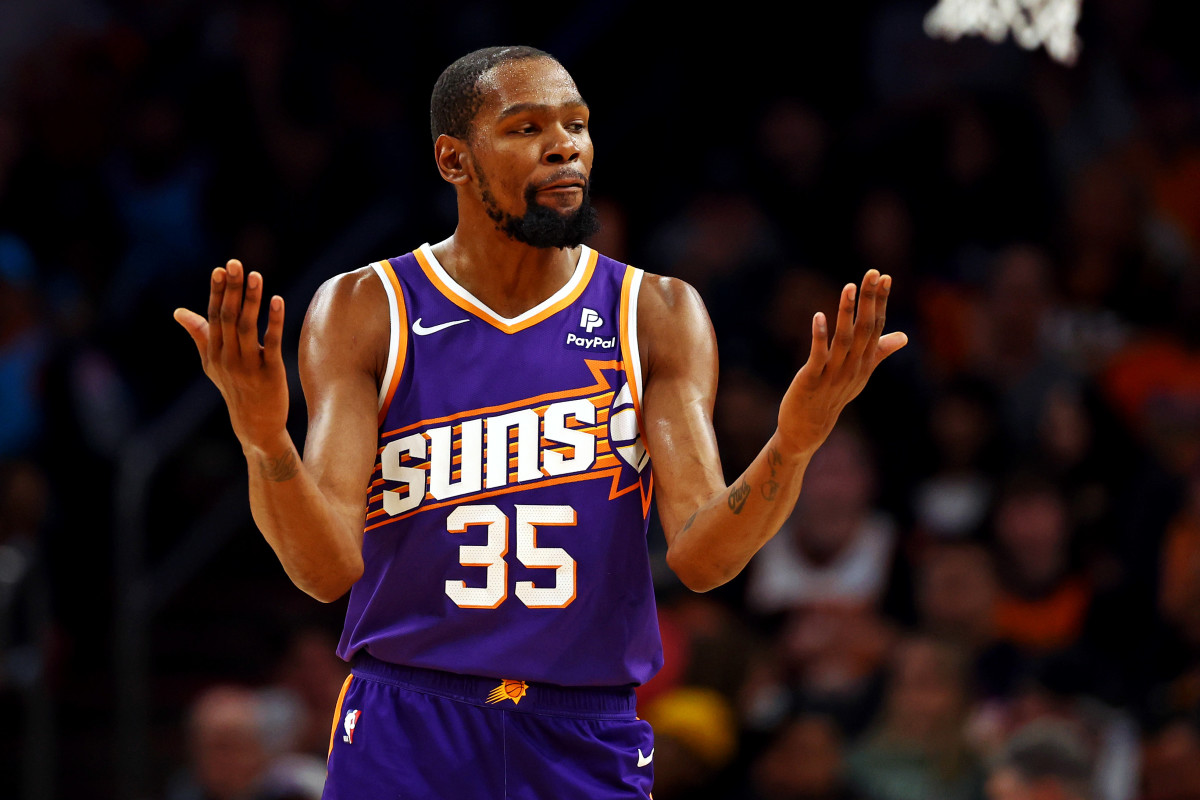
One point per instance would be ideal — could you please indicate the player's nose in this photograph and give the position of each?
(563, 147)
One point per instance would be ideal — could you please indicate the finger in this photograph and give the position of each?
(885, 289)
(818, 353)
(843, 333)
(216, 293)
(889, 344)
(273, 339)
(248, 319)
(231, 305)
(197, 328)
(864, 320)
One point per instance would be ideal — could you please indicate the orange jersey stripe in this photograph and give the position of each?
(613, 472)
(337, 713)
(605, 460)
(602, 384)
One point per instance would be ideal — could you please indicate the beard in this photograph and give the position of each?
(540, 226)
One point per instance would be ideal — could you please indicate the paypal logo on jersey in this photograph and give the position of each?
(589, 320)
(590, 342)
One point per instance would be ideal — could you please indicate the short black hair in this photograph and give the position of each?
(456, 96)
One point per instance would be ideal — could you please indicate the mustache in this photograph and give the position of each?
(563, 175)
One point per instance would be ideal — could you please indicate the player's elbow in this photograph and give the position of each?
(332, 584)
(698, 574)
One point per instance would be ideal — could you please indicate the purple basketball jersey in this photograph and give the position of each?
(507, 515)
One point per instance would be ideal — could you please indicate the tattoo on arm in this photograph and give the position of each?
(689, 522)
(738, 495)
(278, 470)
(771, 487)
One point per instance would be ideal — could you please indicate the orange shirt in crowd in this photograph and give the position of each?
(1049, 623)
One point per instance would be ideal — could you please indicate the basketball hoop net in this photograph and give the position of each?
(1034, 23)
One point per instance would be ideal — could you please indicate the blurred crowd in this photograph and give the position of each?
(991, 585)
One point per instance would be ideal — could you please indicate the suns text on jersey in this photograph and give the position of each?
(588, 433)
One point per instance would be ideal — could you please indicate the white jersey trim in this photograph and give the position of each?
(631, 336)
(557, 297)
(394, 335)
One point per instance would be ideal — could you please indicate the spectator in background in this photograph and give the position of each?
(724, 245)
(744, 410)
(956, 595)
(1171, 762)
(1154, 381)
(836, 547)
(1011, 347)
(952, 499)
(695, 737)
(228, 754)
(918, 748)
(826, 579)
(794, 140)
(1043, 602)
(1058, 692)
(237, 751)
(796, 294)
(1079, 446)
(1042, 762)
(157, 184)
(310, 675)
(805, 761)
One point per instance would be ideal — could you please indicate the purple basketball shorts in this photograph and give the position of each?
(401, 732)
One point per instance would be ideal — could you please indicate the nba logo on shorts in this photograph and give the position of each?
(349, 723)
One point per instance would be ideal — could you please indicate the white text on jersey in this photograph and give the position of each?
(484, 453)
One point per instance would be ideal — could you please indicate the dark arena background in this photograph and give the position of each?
(1002, 535)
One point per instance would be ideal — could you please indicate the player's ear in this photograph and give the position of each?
(453, 158)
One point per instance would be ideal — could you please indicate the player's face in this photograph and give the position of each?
(533, 153)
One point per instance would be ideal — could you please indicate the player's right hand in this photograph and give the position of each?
(250, 376)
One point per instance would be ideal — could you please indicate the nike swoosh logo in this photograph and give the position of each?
(421, 330)
(644, 760)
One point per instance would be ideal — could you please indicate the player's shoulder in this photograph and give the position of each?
(348, 324)
(349, 294)
(673, 327)
(666, 297)
(349, 309)
(364, 280)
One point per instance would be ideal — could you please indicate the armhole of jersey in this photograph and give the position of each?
(397, 342)
(630, 353)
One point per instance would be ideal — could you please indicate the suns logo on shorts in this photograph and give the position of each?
(508, 690)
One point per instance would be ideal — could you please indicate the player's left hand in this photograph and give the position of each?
(835, 374)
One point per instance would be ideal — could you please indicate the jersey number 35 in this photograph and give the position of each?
(491, 555)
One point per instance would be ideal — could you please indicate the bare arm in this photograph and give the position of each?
(713, 530)
(310, 511)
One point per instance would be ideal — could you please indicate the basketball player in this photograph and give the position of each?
(495, 398)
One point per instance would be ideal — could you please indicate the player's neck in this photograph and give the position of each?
(507, 276)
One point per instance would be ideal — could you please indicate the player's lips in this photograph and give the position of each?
(564, 186)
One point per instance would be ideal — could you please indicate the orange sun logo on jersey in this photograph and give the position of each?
(508, 690)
